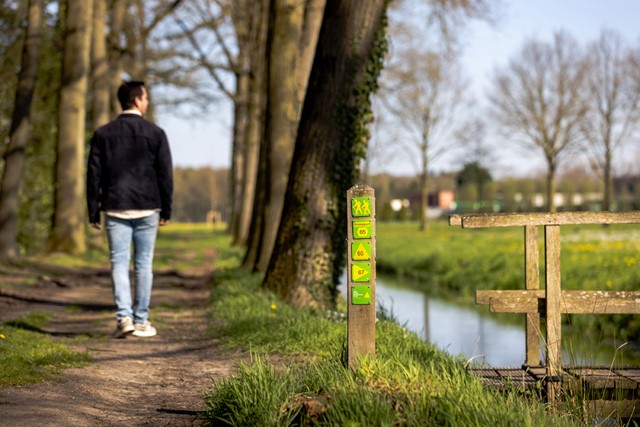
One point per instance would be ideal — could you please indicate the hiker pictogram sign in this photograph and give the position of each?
(360, 206)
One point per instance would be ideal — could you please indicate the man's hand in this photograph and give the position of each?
(96, 225)
(164, 222)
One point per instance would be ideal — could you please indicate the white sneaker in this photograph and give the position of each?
(144, 330)
(124, 326)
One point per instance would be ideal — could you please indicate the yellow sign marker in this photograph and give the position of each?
(361, 251)
(361, 271)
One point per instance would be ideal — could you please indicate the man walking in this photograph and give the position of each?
(130, 178)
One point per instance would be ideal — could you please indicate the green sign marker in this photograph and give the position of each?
(361, 271)
(361, 206)
(361, 251)
(361, 294)
(362, 229)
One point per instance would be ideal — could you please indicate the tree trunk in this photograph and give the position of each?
(606, 202)
(551, 185)
(284, 100)
(100, 67)
(115, 53)
(255, 125)
(310, 254)
(242, 18)
(313, 14)
(67, 234)
(256, 222)
(14, 155)
(287, 57)
(240, 120)
(424, 192)
(257, 225)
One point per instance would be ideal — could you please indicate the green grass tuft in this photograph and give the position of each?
(28, 356)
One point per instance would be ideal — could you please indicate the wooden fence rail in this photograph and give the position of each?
(551, 301)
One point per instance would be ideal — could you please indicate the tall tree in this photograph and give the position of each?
(472, 183)
(146, 51)
(115, 52)
(100, 77)
(67, 233)
(256, 109)
(218, 36)
(539, 99)
(15, 152)
(310, 251)
(425, 94)
(242, 23)
(292, 42)
(614, 102)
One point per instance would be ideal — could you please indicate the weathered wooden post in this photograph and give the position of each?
(361, 274)
(553, 290)
(532, 283)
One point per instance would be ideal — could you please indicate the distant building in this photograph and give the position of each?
(443, 199)
(561, 200)
(439, 203)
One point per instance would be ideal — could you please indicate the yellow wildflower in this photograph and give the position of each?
(273, 306)
(2, 336)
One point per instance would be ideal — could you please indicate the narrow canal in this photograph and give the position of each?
(483, 337)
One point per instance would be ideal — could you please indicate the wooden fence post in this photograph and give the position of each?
(553, 310)
(361, 274)
(532, 282)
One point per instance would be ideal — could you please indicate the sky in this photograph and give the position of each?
(199, 142)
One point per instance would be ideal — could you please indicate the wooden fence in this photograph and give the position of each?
(550, 302)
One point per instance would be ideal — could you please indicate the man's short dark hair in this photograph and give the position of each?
(128, 92)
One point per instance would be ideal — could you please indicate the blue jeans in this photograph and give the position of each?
(142, 232)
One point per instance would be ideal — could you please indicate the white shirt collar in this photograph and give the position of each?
(132, 111)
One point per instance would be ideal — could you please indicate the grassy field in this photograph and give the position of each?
(454, 261)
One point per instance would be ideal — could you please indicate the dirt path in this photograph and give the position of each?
(155, 381)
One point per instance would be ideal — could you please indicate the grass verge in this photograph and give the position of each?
(297, 373)
(27, 356)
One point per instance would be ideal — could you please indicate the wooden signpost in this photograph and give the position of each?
(361, 274)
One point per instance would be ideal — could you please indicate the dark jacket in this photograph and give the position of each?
(129, 167)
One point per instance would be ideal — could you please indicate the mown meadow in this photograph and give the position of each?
(447, 260)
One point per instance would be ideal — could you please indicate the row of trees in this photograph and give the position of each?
(60, 49)
(201, 193)
(300, 75)
(558, 99)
